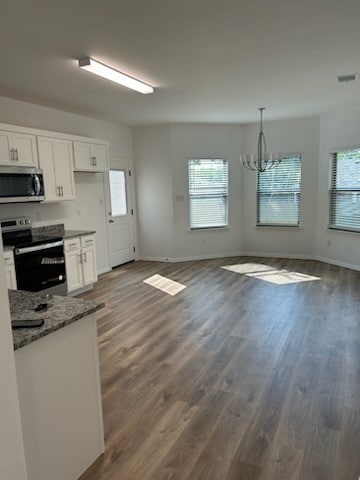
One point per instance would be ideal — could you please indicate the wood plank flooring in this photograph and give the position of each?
(234, 378)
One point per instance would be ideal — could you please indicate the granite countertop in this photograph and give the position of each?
(59, 230)
(61, 312)
(77, 233)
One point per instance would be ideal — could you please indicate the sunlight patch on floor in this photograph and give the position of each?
(270, 274)
(165, 284)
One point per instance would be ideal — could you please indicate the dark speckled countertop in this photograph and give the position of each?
(61, 312)
(59, 230)
(77, 233)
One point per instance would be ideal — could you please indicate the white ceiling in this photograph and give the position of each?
(209, 60)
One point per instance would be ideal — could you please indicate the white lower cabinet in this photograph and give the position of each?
(60, 402)
(80, 261)
(10, 270)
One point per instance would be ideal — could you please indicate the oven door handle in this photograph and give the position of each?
(44, 246)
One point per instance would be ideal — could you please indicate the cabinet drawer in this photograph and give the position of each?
(72, 244)
(9, 258)
(88, 241)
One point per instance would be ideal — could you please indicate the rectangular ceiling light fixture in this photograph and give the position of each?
(109, 73)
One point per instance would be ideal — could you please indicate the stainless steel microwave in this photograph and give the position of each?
(21, 184)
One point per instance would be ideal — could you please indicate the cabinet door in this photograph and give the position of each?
(10, 277)
(99, 155)
(74, 274)
(46, 161)
(82, 155)
(25, 149)
(64, 171)
(5, 146)
(89, 265)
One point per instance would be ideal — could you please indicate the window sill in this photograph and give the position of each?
(207, 229)
(284, 227)
(339, 230)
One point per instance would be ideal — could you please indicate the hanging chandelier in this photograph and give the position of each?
(261, 160)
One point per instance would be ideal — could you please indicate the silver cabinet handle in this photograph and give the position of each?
(85, 257)
(93, 159)
(62, 190)
(80, 258)
(12, 154)
(58, 190)
(17, 155)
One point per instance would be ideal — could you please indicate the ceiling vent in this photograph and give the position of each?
(351, 77)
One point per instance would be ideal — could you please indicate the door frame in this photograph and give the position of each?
(118, 163)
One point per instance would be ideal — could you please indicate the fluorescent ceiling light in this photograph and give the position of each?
(109, 73)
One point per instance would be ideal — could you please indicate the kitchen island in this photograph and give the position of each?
(58, 380)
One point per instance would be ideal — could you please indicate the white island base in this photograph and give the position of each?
(60, 402)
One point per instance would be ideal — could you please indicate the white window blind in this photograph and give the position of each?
(345, 190)
(278, 195)
(117, 180)
(208, 193)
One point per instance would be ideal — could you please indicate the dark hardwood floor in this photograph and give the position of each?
(233, 378)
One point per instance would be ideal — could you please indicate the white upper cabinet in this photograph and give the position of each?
(5, 148)
(18, 149)
(90, 157)
(56, 160)
(56, 153)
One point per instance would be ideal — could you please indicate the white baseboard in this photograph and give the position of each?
(191, 259)
(298, 256)
(85, 289)
(104, 270)
(339, 264)
(253, 254)
(153, 259)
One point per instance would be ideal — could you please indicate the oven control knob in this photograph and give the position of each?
(22, 222)
(27, 221)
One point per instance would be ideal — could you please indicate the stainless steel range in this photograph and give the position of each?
(39, 259)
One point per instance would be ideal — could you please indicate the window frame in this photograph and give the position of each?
(287, 156)
(125, 192)
(333, 190)
(210, 227)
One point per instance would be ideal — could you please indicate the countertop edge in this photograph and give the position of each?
(47, 331)
(81, 233)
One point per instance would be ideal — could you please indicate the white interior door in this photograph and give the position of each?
(121, 244)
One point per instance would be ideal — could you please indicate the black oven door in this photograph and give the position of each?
(40, 267)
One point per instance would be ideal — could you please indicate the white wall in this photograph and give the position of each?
(206, 141)
(161, 155)
(89, 210)
(293, 136)
(337, 129)
(154, 197)
(12, 458)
